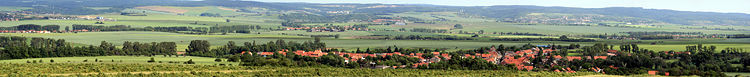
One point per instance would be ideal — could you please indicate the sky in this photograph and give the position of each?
(723, 6)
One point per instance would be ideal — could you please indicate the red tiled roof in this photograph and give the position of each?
(571, 58)
(558, 57)
(652, 72)
(266, 53)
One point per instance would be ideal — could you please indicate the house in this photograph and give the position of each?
(571, 58)
(652, 72)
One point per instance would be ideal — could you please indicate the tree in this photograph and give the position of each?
(198, 47)
(51, 27)
(29, 27)
(563, 37)
(235, 58)
(427, 55)
(227, 20)
(51, 61)
(745, 61)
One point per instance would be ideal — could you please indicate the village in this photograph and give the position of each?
(521, 60)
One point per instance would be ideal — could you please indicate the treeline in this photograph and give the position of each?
(501, 33)
(202, 47)
(425, 30)
(420, 37)
(15, 47)
(210, 14)
(544, 39)
(298, 25)
(33, 27)
(194, 30)
(663, 33)
(655, 37)
(606, 36)
(740, 36)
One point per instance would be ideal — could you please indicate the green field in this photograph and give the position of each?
(741, 74)
(160, 59)
(94, 38)
(6, 8)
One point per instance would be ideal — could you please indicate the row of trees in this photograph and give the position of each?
(202, 47)
(544, 39)
(33, 27)
(198, 30)
(17, 48)
(420, 37)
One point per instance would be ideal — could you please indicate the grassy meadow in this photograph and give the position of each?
(160, 59)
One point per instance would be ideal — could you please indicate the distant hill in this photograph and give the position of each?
(509, 13)
(669, 16)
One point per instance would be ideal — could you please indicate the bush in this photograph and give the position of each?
(218, 60)
(152, 60)
(190, 62)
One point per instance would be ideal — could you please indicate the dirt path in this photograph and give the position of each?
(149, 72)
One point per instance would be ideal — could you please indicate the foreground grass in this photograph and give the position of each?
(106, 69)
(160, 59)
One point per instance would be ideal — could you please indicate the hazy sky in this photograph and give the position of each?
(725, 6)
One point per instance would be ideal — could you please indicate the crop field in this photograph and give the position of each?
(451, 16)
(740, 74)
(194, 11)
(94, 38)
(142, 69)
(158, 20)
(489, 27)
(7, 8)
(160, 59)
(182, 40)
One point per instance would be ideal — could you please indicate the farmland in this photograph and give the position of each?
(2, 8)
(119, 38)
(94, 38)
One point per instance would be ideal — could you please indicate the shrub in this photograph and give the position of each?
(218, 60)
(190, 62)
(152, 60)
